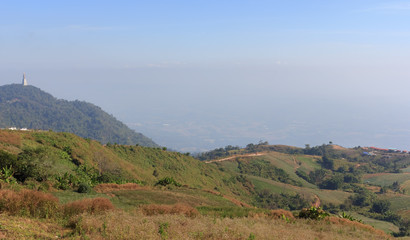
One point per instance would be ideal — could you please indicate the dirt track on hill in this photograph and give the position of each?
(236, 156)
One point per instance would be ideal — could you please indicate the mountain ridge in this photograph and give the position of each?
(30, 107)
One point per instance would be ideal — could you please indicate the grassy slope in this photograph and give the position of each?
(386, 179)
(134, 162)
(128, 162)
(400, 202)
(289, 163)
(385, 226)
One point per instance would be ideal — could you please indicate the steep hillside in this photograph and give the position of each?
(30, 107)
(64, 158)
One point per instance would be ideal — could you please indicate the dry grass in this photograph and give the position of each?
(346, 222)
(156, 209)
(123, 225)
(280, 213)
(91, 220)
(91, 206)
(110, 187)
(37, 204)
(17, 227)
(10, 138)
(231, 199)
(28, 203)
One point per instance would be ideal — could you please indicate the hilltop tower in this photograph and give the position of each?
(24, 80)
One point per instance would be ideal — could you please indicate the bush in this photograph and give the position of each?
(380, 206)
(280, 213)
(167, 181)
(92, 206)
(350, 217)
(28, 203)
(313, 213)
(83, 188)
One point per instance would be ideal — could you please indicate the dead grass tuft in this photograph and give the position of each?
(110, 187)
(92, 206)
(10, 138)
(280, 213)
(28, 203)
(157, 209)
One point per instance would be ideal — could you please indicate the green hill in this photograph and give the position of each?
(373, 186)
(137, 178)
(65, 160)
(29, 107)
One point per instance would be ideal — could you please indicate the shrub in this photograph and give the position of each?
(84, 188)
(280, 213)
(28, 203)
(380, 206)
(163, 227)
(92, 206)
(167, 181)
(313, 213)
(350, 217)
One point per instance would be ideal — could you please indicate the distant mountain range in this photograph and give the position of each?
(30, 107)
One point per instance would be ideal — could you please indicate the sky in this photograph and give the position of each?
(196, 75)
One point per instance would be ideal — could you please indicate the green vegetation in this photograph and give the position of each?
(265, 169)
(29, 107)
(315, 213)
(153, 182)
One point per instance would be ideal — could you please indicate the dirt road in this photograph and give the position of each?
(236, 156)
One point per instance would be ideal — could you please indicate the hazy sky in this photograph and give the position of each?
(195, 75)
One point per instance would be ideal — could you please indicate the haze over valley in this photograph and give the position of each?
(198, 76)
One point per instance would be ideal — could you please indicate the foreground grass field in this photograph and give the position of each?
(28, 214)
(118, 224)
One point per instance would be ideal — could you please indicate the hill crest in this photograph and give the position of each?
(30, 107)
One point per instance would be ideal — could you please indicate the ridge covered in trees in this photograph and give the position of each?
(30, 107)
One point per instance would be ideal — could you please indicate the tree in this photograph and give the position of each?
(380, 206)
(327, 162)
(333, 183)
(317, 176)
(363, 198)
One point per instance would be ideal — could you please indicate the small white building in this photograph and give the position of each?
(24, 80)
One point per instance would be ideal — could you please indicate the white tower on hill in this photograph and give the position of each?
(24, 80)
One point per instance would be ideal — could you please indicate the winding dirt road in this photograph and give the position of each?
(236, 156)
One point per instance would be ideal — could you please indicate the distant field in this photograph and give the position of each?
(326, 196)
(406, 187)
(386, 179)
(291, 163)
(400, 203)
(385, 226)
(273, 186)
(406, 169)
(331, 196)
